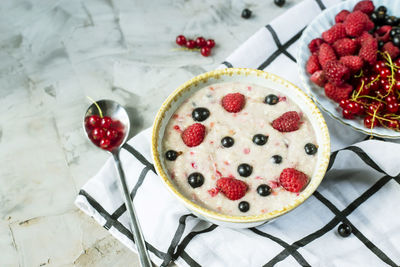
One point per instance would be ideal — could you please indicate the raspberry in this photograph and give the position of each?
(368, 51)
(313, 64)
(318, 78)
(393, 50)
(232, 188)
(315, 44)
(354, 63)
(341, 16)
(338, 93)
(345, 47)
(336, 73)
(287, 122)
(336, 32)
(364, 37)
(194, 135)
(325, 54)
(355, 23)
(383, 33)
(293, 180)
(366, 7)
(233, 102)
(369, 25)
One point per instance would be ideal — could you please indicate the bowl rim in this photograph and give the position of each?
(319, 172)
(305, 79)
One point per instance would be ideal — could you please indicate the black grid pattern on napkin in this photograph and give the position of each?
(179, 243)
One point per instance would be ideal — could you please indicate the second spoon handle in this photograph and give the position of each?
(135, 226)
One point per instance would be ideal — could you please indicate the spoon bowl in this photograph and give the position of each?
(113, 110)
(119, 120)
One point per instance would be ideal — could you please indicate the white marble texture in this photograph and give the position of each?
(55, 53)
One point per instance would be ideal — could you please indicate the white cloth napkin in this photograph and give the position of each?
(361, 189)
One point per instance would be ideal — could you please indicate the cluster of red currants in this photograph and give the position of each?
(376, 95)
(104, 132)
(204, 45)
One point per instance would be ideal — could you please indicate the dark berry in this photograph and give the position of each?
(344, 230)
(381, 17)
(205, 51)
(195, 179)
(264, 190)
(390, 20)
(227, 141)
(171, 155)
(260, 139)
(244, 170)
(271, 99)
(381, 43)
(396, 40)
(279, 2)
(210, 43)
(246, 13)
(200, 114)
(244, 206)
(382, 9)
(181, 40)
(394, 32)
(374, 17)
(190, 44)
(276, 159)
(200, 42)
(310, 149)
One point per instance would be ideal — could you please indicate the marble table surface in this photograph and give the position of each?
(55, 53)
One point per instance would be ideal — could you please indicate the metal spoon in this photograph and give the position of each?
(117, 112)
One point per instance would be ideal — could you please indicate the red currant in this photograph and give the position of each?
(396, 85)
(368, 122)
(190, 44)
(201, 42)
(106, 122)
(347, 114)
(92, 121)
(353, 107)
(105, 143)
(111, 134)
(393, 124)
(181, 40)
(392, 107)
(397, 62)
(344, 102)
(387, 87)
(378, 66)
(376, 106)
(210, 43)
(390, 99)
(385, 72)
(97, 133)
(205, 51)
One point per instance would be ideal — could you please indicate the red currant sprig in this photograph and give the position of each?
(199, 44)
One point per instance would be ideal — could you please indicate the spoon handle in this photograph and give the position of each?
(135, 226)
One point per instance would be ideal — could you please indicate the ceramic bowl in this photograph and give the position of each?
(252, 77)
(314, 30)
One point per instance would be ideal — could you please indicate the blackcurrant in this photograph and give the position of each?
(195, 179)
(227, 141)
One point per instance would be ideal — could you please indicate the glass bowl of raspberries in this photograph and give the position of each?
(349, 63)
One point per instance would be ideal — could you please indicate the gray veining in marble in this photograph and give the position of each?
(55, 53)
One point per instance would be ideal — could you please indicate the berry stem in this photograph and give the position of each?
(97, 106)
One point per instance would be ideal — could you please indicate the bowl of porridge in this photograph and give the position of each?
(240, 147)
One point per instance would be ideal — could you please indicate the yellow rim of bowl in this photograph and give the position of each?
(324, 144)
